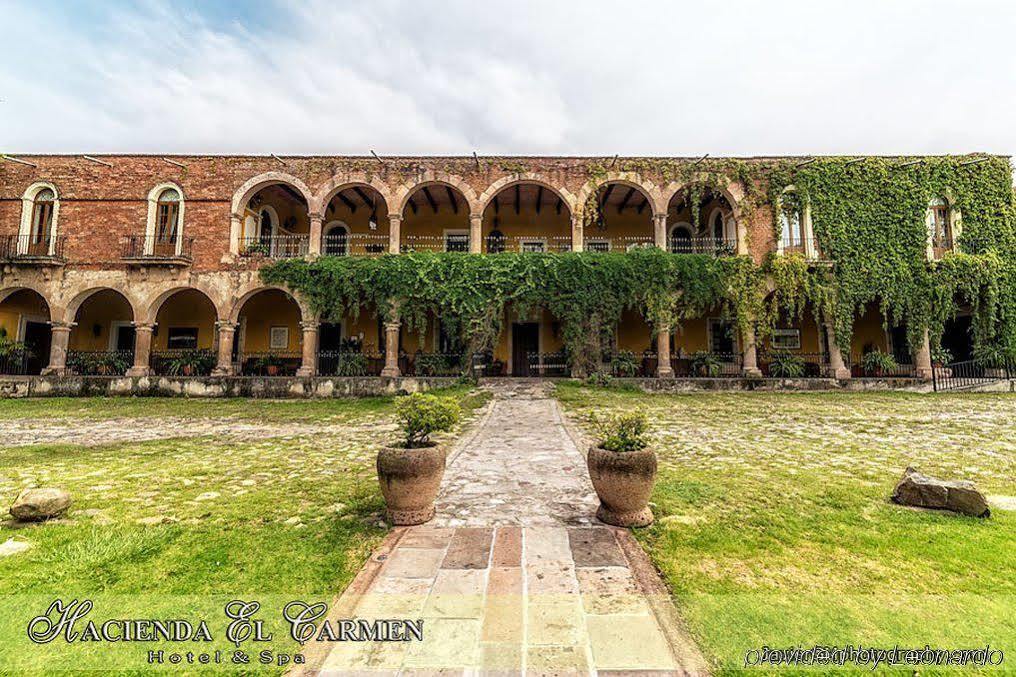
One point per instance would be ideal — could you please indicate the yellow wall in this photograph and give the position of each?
(17, 305)
(634, 333)
(102, 309)
(547, 224)
(188, 308)
(811, 339)
(868, 330)
(426, 223)
(272, 308)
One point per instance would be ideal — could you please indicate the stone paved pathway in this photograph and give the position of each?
(505, 580)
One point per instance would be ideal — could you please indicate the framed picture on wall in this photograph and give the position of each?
(278, 338)
(787, 339)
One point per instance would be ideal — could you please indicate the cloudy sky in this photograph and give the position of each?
(518, 77)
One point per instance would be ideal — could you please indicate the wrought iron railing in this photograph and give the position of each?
(268, 363)
(16, 360)
(350, 363)
(354, 244)
(806, 246)
(437, 364)
(536, 243)
(145, 247)
(595, 243)
(717, 246)
(968, 374)
(792, 364)
(629, 364)
(276, 246)
(901, 370)
(458, 242)
(707, 365)
(30, 248)
(182, 362)
(941, 245)
(99, 362)
(548, 364)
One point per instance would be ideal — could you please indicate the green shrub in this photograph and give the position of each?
(705, 364)
(786, 365)
(940, 355)
(422, 414)
(877, 363)
(351, 364)
(198, 362)
(435, 364)
(625, 363)
(598, 379)
(625, 432)
(991, 356)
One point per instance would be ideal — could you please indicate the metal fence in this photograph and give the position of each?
(717, 246)
(99, 362)
(276, 246)
(458, 242)
(28, 247)
(970, 374)
(707, 365)
(437, 364)
(595, 243)
(183, 362)
(778, 364)
(16, 361)
(354, 244)
(901, 370)
(537, 243)
(350, 363)
(270, 363)
(149, 247)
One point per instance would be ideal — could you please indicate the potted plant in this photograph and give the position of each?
(786, 365)
(705, 364)
(877, 363)
(940, 357)
(192, 362)
(622, 467)
(270, 364)
(410, 471)
(625, 364)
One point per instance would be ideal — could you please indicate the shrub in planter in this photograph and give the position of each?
(192, 363)
(940, 357)
(993, 359)
(625, 364)
(622, 468)
(786, 365)
(410, 471)
(877, 363)
(705, 364)
(351, 364)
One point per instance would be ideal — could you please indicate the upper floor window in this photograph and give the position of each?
(940, 224)
(791, 221)
(42, 216)
(167, 216)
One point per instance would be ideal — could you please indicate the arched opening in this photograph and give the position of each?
(634, 350)
(25, 334)
(166, 238)
(435, 218)
(276, 223)
(353, 345)
(356, 223)
(268, 338)
(37, 234)
(101, 343)
(701, 221)
(877, 350)
(617, 217)
(530, 344)
(797, 348)
(527, 217)
(184, 337)
(706, 346)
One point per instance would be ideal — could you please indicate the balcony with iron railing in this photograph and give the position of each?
(354, 244)
(521, 244)
(942, 245)
(147, 249)
(805, 246)
(597, 243)
(435, 243)
(29, 249)
(288, 246)
(716, 246)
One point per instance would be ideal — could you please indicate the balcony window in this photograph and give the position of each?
(941, 224)
(42, 217)
(791, 222)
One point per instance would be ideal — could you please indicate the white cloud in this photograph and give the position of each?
(580, 77)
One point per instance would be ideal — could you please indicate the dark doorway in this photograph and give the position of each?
(900, 347)
(37, 338)
(124, 341)
(525, 340)
(956, 338)
(330, 337)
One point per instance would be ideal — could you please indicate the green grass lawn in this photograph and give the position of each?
(283, 505)
(773, 525)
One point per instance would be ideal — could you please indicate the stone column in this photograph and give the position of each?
(316, 228)
(576, 234)
(142, 349)
(308, 366)
(660, 230)
(663, 368)
(395, 233)
(475, 233)
(224, 364)
(837, 368)
(391, 369)
(749, 354)
(235, 226)
(61, 334)
(922, 358)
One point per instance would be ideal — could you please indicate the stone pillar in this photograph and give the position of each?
(576, 233)
(308, 366)
(475, 233)
(235, 227)
(391, 369)
(837, 368)
(749, 353)
(394, 233)
(663, 368)
(142, 349)
(660, 231)
(922, 358)
(61, 334)
(316, 228)
(224, 364)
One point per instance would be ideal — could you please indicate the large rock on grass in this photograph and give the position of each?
(922, 491)
(34, 505)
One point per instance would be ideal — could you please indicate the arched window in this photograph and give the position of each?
(42, 217)
(680, 239)
(167, 216)
(336, 242)
(940, 224)
(791, 221)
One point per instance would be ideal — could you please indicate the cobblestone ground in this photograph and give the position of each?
(505, 579)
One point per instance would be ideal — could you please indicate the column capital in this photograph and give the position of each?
(144, 326)
(316, 216)
(221, 325)
(310, 325)
(395, 217)
(393, 326)
(62, 326)
(476, 217)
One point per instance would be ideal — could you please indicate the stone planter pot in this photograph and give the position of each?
(410, 480)
(623, 481)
